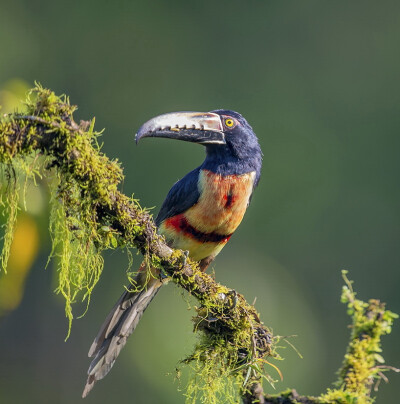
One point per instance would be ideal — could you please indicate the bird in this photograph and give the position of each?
(199, 214)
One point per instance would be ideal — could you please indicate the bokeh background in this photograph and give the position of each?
(318, 81)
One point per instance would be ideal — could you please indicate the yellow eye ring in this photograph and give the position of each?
(229, 122)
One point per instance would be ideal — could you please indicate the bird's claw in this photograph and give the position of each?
(185, 257)
(162, 275)
(235, 299)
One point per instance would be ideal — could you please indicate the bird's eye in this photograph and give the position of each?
(229, 122)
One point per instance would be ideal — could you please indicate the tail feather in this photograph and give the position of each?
(117, 327)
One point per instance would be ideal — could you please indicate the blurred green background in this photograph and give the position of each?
(318, 81)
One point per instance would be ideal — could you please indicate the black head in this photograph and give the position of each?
(230, 141)
(240, 139)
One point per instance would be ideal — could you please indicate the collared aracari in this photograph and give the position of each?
(199, 214)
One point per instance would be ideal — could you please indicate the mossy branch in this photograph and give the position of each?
(363, 366)
(89, 214)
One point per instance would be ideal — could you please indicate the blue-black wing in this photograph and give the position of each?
(182, 196)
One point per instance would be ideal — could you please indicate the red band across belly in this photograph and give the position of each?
(181, 224)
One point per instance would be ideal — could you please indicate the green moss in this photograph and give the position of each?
(362, 365)
(89, 215)
(233, 343)
(85, 182)
(9, 202)
(232, 350)
(79, 260)
(211, 379)
(14, 178)
(333, 396)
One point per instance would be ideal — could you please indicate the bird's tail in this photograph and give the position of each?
(119, 325)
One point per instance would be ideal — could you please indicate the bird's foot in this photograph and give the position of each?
(185, 257)
(162, 275)
(234, 298)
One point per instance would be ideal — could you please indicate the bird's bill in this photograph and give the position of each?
(198, 127)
